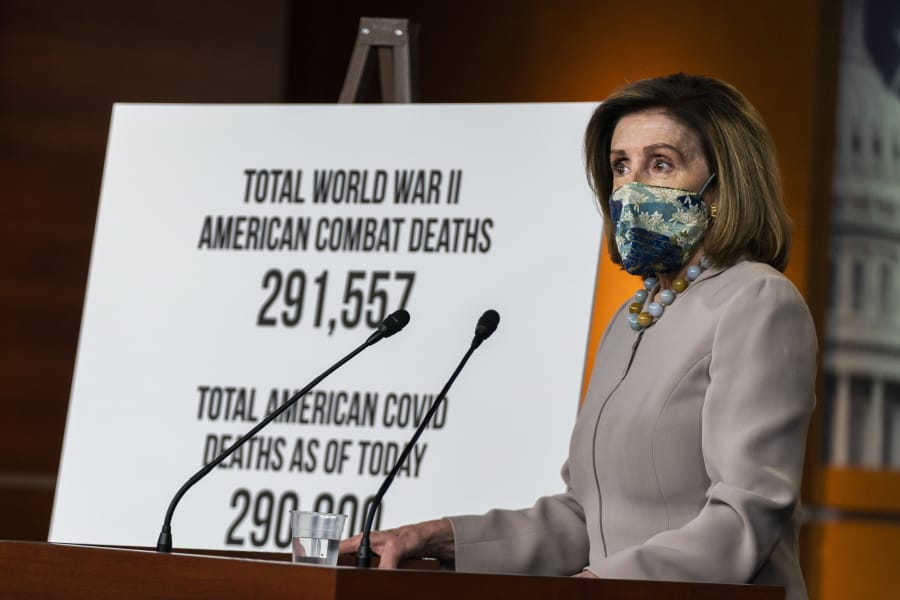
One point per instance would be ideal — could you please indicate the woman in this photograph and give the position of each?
(686, 458)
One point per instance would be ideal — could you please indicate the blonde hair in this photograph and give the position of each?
(751, 221)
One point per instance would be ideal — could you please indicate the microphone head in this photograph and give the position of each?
(394, 322)
(487, 324)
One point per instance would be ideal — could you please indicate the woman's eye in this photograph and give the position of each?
(661, 165)
(619, 168)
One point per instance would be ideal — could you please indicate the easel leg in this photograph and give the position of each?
(397, 44)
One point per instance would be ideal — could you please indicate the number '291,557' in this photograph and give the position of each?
(366, 299)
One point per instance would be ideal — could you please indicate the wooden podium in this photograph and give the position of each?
(56, 571)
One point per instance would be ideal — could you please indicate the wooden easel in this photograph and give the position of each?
(397, 43)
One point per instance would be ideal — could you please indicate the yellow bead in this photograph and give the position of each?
(635, 308)
(644, 319)
(679, 285)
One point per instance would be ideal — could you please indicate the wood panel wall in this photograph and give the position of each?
(62, 65)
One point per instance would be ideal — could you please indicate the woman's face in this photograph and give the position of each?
(651, 147)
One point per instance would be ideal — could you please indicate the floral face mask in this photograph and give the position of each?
(657, 228)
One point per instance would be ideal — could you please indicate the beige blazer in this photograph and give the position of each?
(686, 457)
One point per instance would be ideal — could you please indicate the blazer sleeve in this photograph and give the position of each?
(549, 538)
(754, 421)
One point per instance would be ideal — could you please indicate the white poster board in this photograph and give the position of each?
(241, 250)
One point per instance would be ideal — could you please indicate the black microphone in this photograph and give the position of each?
(487, 324)
(391, 325)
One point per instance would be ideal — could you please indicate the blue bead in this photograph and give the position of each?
(640, 296)
(655, 309)
(667, 297)
(650, 283)
(693, 272)
(705, 263)
(633, 322)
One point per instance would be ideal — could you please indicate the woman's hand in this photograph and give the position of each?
(431, 538)
(586, 574)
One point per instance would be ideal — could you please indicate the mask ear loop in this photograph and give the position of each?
(706, 185)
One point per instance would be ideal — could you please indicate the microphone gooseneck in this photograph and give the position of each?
(487, 324)
(391, 325)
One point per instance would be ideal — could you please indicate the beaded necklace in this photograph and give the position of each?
(638, 318)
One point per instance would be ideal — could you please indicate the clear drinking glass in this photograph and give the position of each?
(315, 537)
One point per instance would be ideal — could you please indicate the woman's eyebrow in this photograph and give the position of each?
(617, 153)
(654, 147)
